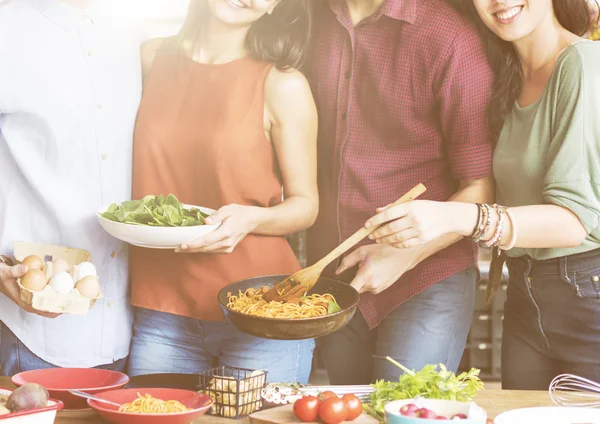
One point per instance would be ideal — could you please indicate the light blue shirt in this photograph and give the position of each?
(70, 86)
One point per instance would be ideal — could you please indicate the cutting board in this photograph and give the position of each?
(285, 415)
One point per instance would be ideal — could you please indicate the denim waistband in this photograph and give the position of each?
(562, 265)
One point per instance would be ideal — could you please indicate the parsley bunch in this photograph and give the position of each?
(429, 383)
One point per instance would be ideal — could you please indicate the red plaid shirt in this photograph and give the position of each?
(402, 99)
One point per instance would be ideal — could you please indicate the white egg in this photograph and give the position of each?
(62, 282)
(83, 270)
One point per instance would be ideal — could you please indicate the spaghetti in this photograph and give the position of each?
(149, 405)
(251, 302)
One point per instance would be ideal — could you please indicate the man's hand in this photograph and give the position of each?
(10, 288)
(380, 266)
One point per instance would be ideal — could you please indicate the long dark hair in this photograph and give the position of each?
(281, 38)
(573, 15)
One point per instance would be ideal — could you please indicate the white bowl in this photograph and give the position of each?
(45, 415)
(550, 415)
(156, 237)
(446, 408)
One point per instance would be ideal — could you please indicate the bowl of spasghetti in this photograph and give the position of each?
(151, 406)
(155, 221)
(59, 279)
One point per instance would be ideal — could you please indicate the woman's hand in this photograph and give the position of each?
(379, 266)
(421, 221)
(10, 288)
(237, 222)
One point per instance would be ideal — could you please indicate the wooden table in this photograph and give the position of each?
(494, 401)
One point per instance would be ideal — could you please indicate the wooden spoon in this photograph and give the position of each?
(302, 281)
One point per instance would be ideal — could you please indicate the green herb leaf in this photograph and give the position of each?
(333, 307)
(429, 383)
(155, 211)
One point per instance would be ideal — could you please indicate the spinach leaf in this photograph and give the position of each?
(333, 307)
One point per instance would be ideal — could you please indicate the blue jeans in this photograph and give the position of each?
(551, 321)
(15, 357)
(166, 343)
(430, 328)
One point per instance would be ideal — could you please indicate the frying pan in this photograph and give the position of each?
(292, 329)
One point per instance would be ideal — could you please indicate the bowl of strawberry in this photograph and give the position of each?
(328, 408)
(433, 411)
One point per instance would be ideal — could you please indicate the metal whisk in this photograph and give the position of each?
(572, 390)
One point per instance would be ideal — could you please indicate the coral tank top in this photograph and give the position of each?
(200, 135)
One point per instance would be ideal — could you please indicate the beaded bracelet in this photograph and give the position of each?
(480, 219)
(486, 223)
(513, 237)
(493, 242)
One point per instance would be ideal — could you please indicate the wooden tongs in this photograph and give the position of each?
(302, 281)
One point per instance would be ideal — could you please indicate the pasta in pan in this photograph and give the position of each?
(149, 405)
(251, 302)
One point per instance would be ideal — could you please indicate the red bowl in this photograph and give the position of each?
(58, 382)
(198, 402)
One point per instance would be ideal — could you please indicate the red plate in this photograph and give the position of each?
(58, 382)
(199, 402)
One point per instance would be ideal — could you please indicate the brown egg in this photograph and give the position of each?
(89, 287)
(34, 279)
(33, 262)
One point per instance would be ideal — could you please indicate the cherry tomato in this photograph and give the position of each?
(307, 408)
(327, 394)
(333, 411)
(353, 405)
(489, 421)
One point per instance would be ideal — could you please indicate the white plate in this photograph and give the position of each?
(45, 415)
(550, 415)
(156, 237)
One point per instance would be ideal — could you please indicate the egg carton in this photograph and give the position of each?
(47, 300)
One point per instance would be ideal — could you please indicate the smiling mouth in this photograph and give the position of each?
(237, 3)
(508, 15)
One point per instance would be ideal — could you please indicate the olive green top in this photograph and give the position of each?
(549, 152)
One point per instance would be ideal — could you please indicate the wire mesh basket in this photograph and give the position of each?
(235, 391)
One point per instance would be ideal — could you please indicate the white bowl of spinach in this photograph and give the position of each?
(157, 222)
